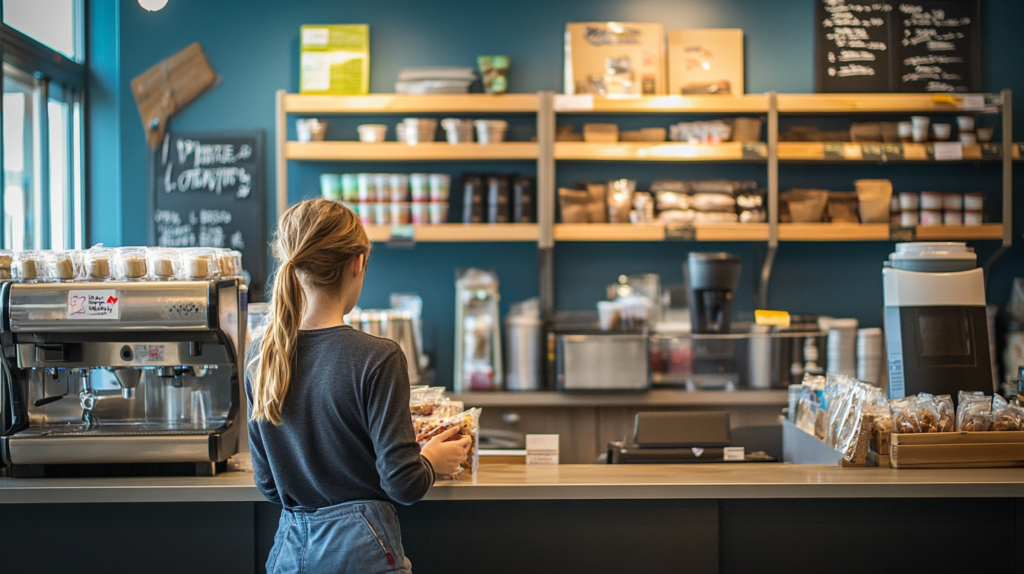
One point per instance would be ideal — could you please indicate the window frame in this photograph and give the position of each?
(48, 66)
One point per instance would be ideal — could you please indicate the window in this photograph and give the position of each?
(43, 82)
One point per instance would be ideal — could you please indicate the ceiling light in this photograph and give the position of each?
(152, 5)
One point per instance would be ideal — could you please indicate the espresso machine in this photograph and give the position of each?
(126, 378)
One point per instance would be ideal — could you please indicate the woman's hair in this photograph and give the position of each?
(316, 241)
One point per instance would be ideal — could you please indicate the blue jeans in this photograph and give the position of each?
(361, 537)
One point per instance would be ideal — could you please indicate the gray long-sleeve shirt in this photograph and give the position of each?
(345, 432)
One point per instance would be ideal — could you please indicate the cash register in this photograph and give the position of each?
(682, 437)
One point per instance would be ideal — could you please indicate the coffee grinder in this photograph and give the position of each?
(713, 277)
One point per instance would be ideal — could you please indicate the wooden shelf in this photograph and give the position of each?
(394, 151)
(662, 151)
(882, 232)
(408, 104)
(461, 232)
(871, 103)
(651, 398)
(658, 232)
(748, 104)
(879, 152)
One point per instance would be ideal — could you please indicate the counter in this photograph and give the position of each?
(571, 518)
(573, 482)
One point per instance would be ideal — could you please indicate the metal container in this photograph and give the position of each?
(524, 348)
(602, 362)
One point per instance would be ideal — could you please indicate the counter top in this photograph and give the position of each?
(575, 482)
(652, 398)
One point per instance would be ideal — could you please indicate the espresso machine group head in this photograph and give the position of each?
(143, 375)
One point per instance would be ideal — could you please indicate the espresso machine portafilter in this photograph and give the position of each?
(129, 375)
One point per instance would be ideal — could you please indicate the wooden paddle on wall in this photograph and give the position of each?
(168, 87)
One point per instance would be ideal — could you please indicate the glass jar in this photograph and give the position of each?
(132, 264)
(99, 264)
(199, 264)
(164, 263)
(229, 263)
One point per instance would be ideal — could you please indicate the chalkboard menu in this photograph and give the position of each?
(206, 190)
(878, 46)
(938, 48)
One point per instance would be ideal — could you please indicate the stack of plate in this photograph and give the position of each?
(870, 359)
(435, 80)
(842, 343)
(417, 130)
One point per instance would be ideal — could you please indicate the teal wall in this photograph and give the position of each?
(253, 46)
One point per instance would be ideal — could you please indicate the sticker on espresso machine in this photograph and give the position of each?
(94, 304)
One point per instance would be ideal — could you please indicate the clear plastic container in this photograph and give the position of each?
(99, 264)
(131, 264)
(229, 263)
(419, 187)
(398, 185)
(438, 213)
(164, 263)
(440, 185)
(400, 213)
(65, 266)
(6, 259)
(199, 264)
(30, 267)
(419, 214)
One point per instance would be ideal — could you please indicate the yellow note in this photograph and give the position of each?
(774, 318)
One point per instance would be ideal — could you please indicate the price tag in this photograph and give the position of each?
(973, 102)
(755, 150)
(917, 152)
(580, 103)
(892, 152)
(949, 151)
(680, 232)
(852, 151)
(990, 151)
(835, 151)
(541, 449)
(902, 234)
(871, 152)
(734, 453)
(402, 236)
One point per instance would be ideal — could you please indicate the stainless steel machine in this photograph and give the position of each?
(121, 377)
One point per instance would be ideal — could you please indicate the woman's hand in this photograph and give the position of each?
(446, 457)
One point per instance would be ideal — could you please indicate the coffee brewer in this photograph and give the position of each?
(713, 278)
(121, 377)
(936, 329)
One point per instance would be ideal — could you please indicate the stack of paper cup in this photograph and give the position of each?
(870, 359)
(842, 344)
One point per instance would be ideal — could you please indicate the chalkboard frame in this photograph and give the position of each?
(256, 269)
(892, 81)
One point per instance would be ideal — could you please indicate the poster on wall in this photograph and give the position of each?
(207, 190)
(887, 46)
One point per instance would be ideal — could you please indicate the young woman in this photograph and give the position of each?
(330, 431)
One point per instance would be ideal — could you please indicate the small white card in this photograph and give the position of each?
(973, 102)
(949, 151)
(580, 103)
(94, 304)
(541, 449)
(732, 453)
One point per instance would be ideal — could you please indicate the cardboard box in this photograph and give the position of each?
(957, 450)
(334, 59)
(705, 62)
(615, 58)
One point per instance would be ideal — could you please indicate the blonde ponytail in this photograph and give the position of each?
(318, 240)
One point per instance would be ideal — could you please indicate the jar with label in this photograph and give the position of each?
(132, 264)
(199, 264)
(6, 259)
(163, 263)
(30, 267)
(229, 263)
(65, 266)
(99, 264)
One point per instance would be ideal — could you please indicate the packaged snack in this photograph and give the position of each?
(448, 407)
(672, 200)
(974, 413)
(947, 416)
(98, 264)
(65, 266)
(30, 267)
(132, 264)
(1004, 418)
(6, 259)
(468, 422)
(229, 263)
(424, 401)
(904, 416)
(620, 199)
(927, 413)
(163, 263)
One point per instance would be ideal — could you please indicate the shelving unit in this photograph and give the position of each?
(546, 152)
